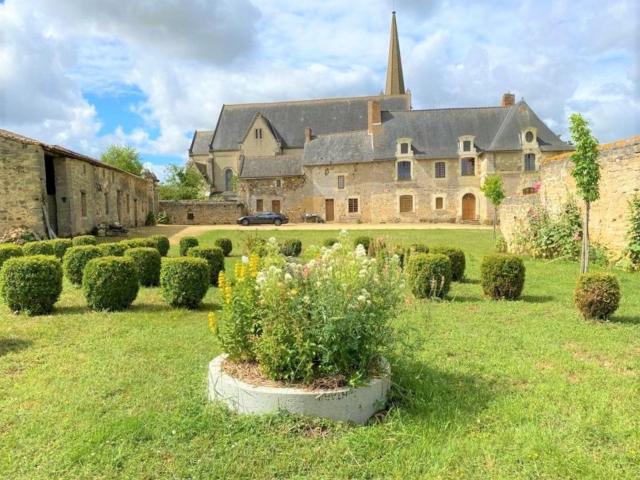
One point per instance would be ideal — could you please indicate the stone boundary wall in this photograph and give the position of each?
(620, 180)
(196, 212)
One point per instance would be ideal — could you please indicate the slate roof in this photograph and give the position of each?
(289, 119)
(339, 148)
(201, 142)
(273, 166)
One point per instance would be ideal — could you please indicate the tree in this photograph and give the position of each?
(123, 157)
(183, 183)
(586, 172)
(494, 191)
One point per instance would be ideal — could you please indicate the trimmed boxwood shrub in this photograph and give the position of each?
(162, 244)
(184, 281)
(9, 250)
(225, 244)
(31, 284)
(419, 248)
(597, 295)
(291, 247)
(364, 241)
(75, 259)
(84, 240)
(329, 242)
(147, 262)
(213, 256)
(186, 243)
(60, 246)
(502, 276)
(113, 249)
(110, 283)
(42, 247)
(457, 258)
(140, 242)
(429, 275)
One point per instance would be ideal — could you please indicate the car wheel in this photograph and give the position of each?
(245, 222)
(277, 222)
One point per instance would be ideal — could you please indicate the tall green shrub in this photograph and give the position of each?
(31, 284)
(84, 240)
(225, 244)
(162, 244)
(186, 243)
(291, 248)
(147, 263)
(75, 259)
(429, 275)
(184, 281)
(502, 276)
(597, 295)
(457, 258)
(42, 247)
(60, 246)
(214, 257)
(9, 250)
(110, 283)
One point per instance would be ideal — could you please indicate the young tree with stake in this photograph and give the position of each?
(494, 191)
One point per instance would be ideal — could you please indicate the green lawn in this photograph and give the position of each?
(522, 389)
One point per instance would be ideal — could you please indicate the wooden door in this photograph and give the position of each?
(328, 210)
(469, 207)
(275, 206)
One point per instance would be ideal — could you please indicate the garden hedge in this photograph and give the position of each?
(75, 259)
(184, 281)
(110, 283)
(84, 240)
(147, 262)
(113, 249)
(214, 257)
(291, 247)
(9, 250)
(457, 258)
(186, 243)
(597, 295)
(364, 241)
(502, 276)
(419, 248)
(329, 242)
(429, 275)
(140, 242)
(225, 244)
(162, 244)
(42, 247)
(31, 284)
(60, 246)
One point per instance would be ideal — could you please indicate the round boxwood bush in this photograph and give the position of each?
(140, 242)
(184, 281)
(329, 242)
(502, 276)
(457, 258)
(60, 246)
(364, 241)
(84, 240)
(162, 244)
(42, 247)
(9, 250)
(75, 259)
(113, 249)
(110, 283)
(419, 248)
(31, 284)
(597, 295)
(291, 247)
(147, 262)
(186, 243)
(225, 244)
(213, 256)
(429, 275)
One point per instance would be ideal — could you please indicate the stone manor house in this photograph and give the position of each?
(373, 158)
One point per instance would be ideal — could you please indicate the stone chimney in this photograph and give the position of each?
(508, 99)
(307, 135)
(374, 116)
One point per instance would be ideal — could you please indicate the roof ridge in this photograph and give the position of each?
(505, 122)
(445, 108)
(315, 100)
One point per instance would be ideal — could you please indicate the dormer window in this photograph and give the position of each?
(529, 136)
(404, 148)
(466, 146)
(258, 132)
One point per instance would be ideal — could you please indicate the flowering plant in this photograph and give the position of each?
(328, 318)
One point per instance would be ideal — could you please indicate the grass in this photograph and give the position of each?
(522, 389)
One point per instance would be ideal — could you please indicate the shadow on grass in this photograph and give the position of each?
(470, 281)
(71, 310)
(625, 319)
(466, 298)
(8, 345)
(537, 298)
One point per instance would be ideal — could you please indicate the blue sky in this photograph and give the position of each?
(88, 73)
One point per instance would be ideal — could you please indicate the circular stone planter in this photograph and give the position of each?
(345, 404)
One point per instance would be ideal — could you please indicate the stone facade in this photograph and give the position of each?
(620, 180)
(54, 191)
(193, 212)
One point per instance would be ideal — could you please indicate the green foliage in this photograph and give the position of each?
(183, 183)
(150, 220)
(147, 263)
(110, 283)
(186, 243)
(493, 189)
(501, 244)
(31, 284)
(419, 248)
(254, 244)
(502, 276)
(633, 249)
(329, 242)
(60, 246)
(291, 248)
(586, 169)
(42, 247)
(225, 244)
(123, 157)
(162, 244)
(184, 281)
(140, 242)
(9, 250)
(457, 258)
(597, 295)
(84, 240)
(429, 275)
(214, 257)
(363, 240)
(113, 249)
(75, 259)
(162, 218)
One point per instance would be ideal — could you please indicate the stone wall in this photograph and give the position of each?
(195, 212)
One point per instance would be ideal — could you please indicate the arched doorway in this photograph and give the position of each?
(469, 207)
(228, 180)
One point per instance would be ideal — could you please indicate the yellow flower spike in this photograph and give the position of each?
(213, 323)
(254, 265)
(228, 294)
(237, 268)
(222, 280)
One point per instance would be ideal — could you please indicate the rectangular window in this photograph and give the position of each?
(106, 204)
(404, 170)
(259, 205)
(439, 203)
(406, 203)
(468, 167)
(278, 183)
(530, 162)
(466, 145)
(341, 182)
(83, 203)
(353, 205)
(258, 133)
(404, 148)
(441, 170)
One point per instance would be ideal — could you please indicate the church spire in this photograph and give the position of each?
(395, 79)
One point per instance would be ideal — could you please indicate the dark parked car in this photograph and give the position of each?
(263, 218)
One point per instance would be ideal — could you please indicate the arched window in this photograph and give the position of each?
(228, 180)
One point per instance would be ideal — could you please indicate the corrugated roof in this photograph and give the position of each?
(269, 167)
(201, 142)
